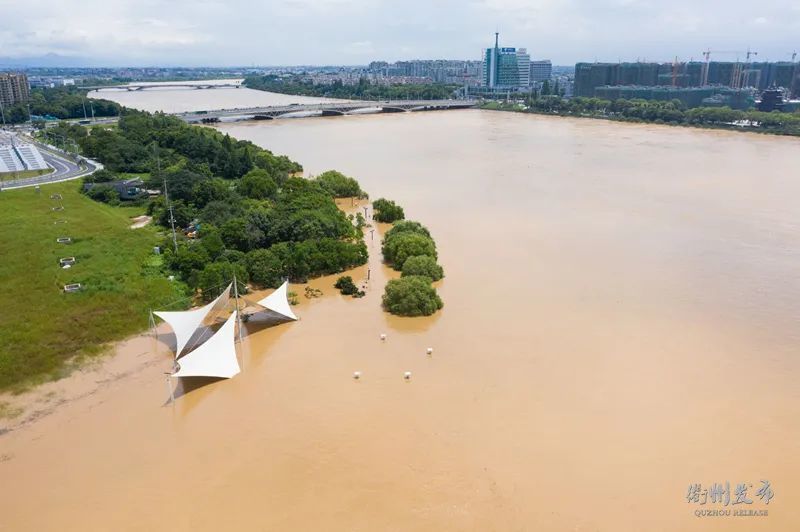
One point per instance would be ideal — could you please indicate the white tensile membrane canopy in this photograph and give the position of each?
(185, 323)
(278, 302)
(215, 358)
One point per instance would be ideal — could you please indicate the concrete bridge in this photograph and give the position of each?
(325, 109)
(151, 86)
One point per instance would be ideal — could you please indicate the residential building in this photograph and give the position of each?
(13, 88)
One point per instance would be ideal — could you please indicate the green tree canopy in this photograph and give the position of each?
(423, 265)
(387, 211)
(257, 184)
(405, 226)
(404, 245)
(411, 296)
(339, 185)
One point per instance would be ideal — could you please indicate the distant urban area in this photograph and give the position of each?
(502, 73)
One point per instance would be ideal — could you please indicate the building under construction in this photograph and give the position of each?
(695, 74)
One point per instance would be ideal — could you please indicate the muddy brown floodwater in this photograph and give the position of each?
(620, 321)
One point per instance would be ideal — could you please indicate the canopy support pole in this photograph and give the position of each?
(154, 329)
(238, 316)
(170, 391)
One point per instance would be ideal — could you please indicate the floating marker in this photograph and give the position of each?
(356, 375)
(407, 375)
(383, 337)
(430, 350)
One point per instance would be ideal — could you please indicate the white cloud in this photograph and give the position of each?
(348, 31)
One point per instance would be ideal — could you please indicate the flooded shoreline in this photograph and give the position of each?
(620, 322)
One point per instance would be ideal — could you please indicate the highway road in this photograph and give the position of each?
(65, 168)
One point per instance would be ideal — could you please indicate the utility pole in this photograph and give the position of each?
(166, 198)
(171, 217)
(83, 102)
(3, 113)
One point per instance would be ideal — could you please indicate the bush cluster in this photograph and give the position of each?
(387, 211)
(339, 185)
(408, 247)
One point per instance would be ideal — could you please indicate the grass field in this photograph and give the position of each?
(41, 327)
(8, 176)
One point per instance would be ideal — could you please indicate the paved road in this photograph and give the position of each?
(65, 168)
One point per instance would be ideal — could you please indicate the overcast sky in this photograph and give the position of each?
(290, 32)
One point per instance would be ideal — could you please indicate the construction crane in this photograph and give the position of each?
(738, 72)
(675, 72)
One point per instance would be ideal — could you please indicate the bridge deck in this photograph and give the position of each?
(344, 107)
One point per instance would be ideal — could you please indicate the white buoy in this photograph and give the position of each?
(407, 375)
(430, 350)
(356, 375)
(383, 337)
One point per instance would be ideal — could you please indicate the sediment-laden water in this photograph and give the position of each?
(621, 321)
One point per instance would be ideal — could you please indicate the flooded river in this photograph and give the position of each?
(621, 322)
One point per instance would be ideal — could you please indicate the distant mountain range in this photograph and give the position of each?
(47, 61)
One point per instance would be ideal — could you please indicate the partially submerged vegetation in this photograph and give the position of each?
(387, 211)
(672, 112)
(408, 247)
(347, 287)
(238, 208)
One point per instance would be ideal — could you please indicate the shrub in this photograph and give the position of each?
(387, 211)
(404, 245)
(265, 268)
(103, 193)
(100, 176)
(217, 275)
(346, 286)
(411, 296)
(423, 265)
(339, 185)
(257, 184)
(406, 226)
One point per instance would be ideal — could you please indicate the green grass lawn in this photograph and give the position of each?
(41, 327)
(8, 176)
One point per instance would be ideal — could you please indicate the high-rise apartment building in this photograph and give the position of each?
(506, 68)
(13, 88)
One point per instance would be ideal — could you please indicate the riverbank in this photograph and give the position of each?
(608, 287)
(663, 113)
(43, 327)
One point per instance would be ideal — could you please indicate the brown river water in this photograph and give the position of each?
(621, 321)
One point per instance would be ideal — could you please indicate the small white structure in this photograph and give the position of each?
(407, 375)
(278, 302)
(383, 337)
(64, 240)
(215, 358)
(356, 375)
(74, 287)
(430, 350)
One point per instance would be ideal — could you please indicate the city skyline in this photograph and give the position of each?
(355, 32)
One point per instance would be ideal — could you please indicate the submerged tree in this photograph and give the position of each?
(411, 296)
